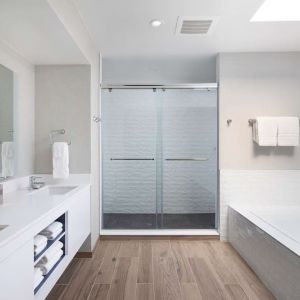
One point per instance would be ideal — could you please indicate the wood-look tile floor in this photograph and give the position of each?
(160, 270)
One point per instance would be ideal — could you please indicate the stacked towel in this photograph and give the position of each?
(47, 267)
(7, 155)
(38, 277)
(60, 157)
(52, 252)
(53, 230)
(288, 131)
(265, 131)
(40, 243)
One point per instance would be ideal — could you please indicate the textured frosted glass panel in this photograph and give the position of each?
(129, 132)
(189, 131)
(129, 123)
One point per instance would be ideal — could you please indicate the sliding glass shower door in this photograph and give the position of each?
(159, 158)
(189, 130)
(129, 120)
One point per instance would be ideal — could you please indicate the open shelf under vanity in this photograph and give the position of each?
(50, 243)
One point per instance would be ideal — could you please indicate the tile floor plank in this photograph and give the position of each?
(166, 283)
(182, 265)
(108, 264)
(208, 285)
(145, 272)
(190, 291)
(123, 286)
(99, 291)
(145, 291)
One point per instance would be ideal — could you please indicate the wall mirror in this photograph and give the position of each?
(7, 153)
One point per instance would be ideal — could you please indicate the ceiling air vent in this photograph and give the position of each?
(195, 25)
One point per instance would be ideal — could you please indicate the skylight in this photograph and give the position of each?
(278, 11)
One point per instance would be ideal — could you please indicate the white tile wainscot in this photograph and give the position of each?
(256, 187)
(26, 214)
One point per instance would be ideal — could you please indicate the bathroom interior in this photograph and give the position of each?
(149, 149)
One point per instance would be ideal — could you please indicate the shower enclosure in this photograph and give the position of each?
(159, 157)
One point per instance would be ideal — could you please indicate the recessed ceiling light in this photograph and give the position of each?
(278, 11)
(156, 23)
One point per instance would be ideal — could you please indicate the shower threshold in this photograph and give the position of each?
(123, 221)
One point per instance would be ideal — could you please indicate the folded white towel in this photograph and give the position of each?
(288, 131)
(52, 252)
(47, 267)
(38, 281)
(60, 159)
(53, 227)
(40, 248)
(37, 273)
(52, 235)
(265, 131)
(7, 156)
(53, 230)
(39, 240)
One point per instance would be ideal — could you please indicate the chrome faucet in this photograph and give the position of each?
(36, 184)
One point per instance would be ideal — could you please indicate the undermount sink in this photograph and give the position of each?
(3, 227)
(54, 190)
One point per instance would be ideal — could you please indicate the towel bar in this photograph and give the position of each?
(56, 132)
(251, 122)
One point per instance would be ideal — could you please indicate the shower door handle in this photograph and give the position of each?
(132, 159)
(187, 159)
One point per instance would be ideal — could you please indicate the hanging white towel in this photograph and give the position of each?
(52, 252)
(265, 131)
(60, 159)
(7, 155)
(288, 131)
(46, 268)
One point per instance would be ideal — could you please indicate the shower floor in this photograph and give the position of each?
(166, 221)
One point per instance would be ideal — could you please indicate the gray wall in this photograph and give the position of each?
(167, 70)
(256, 84)
(63, 101)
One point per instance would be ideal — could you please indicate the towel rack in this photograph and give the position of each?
(56, 132)
(251, 122)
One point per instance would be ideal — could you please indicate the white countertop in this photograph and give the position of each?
(279, 221)
(23, 209)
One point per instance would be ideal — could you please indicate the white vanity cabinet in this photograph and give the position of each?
(17, 267)
(16, 274)
(78, 220)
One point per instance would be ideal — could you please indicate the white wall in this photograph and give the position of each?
(157, 70)
(24, 108)
(69, 16)
(250, 85)
(62, 101)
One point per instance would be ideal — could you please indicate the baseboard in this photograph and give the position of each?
(84, 255)
(156, 237)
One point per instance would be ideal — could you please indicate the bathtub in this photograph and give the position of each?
(268, 238)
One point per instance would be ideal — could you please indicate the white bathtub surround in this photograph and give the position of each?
(257, 188)
(266, 243)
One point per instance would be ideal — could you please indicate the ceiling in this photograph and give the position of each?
(121, 28)
(33, 30)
